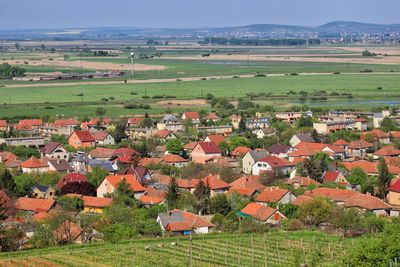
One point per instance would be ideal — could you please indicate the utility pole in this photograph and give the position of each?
(132, 62)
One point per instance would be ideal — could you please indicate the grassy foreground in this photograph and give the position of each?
(271, 249)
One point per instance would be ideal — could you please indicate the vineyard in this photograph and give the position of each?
(270, 249)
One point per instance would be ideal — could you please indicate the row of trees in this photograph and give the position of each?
(260, 42)
(8, 71)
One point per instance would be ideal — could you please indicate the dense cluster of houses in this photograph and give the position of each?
(96, 148)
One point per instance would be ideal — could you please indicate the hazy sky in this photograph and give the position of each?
(188, 13)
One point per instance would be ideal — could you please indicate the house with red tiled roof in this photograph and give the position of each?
(34, 205)
(71, 178)
(68, 123)
(335, 194)
(103, 138)
(110, 184)
(215, 184)
(9, 159)
(240, 151)
(394, 135)
(215, 138)
(31, 123)
(187, 184)
(178, 222)
(193, 116)
(377, 135)
(54, 150)
(307, 150)
(393, 196)
(211, 117)
(359, 148)
(262, 213)
(334, 177)
(301, 199)
(3, 126)
(165, 135)
(370, 168)
(205, 151)
(275, 195)
(298, 138)
(34, 165)
(299, 181)
(343, 144)
(95, 204)
(271, 163)
(175, 160)
(149, 161)
(246, 186)
(361, 124)
(387, 151)
(134, 121)
(81, 139)
(102, 153)
(152, 197)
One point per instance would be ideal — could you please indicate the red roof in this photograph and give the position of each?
(365, 202)
(193, 220)
(146, 161)
(3, 123)
(135, 120)
(341, 142)
(211, 116)
(369, 167)
(190, 146)
(276, 162)
(360, 144)
(213, 182)
(172, 158)
(178, 226)
(338, 195)
(187, 183)
(240, 151)
(114, 180)
(124, 151)
(306, 149)
(96, 202)
(246, 185)
(100, 135)
(102, 152)
(395, 186)
(71, 178)
(33, 162)
(330, 176)
(216, 138)
(65, 122)
(303, 181)
(209, 147)
(163, 133)
(150, 200)
(272, 194)
(395, 134)
(191, 115)
(301, 199)
(387, 151)
(84, 136)
(34, 204)
(31, 122)
(258, 211)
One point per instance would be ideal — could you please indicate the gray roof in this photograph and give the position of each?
(169, 117)
(256, 155)
(170, 217)
(49, 147)
(305, 138)
(102, 163)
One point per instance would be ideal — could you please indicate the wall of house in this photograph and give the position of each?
(201, 230)
(104, 188)
(35, 170)
(260, 167)
(247, 163)
(394, 198)
(92, 210)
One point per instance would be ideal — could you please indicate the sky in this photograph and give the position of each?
(30, 14)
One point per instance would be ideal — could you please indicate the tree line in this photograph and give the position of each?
(260, 42)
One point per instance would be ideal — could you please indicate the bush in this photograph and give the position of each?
(260, 75)
(146, 97)
(134, 93)
(294, 225)
(157, 96)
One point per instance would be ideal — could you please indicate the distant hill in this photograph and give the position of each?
(335, 28)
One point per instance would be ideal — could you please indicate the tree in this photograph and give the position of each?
(388, 124)
(119, 133)
(202, 196)
(173, 194)
(315, 211)
(70, 203)
(100, 111)
(304, 121)
(174, 146)
(6, 180)
(124, 194)
(23, 183)
(357, 176)
(97, 175)
(220, 204)
(147, 122)
(242, 124)
(384, 178)
(315, 166)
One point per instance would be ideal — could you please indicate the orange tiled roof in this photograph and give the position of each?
(272, 194)
(191, 115)
(34, 204)
(97, 202)
(187, 183)
(163, 133)
(338, 195)
(33, 162)
(172, 158)
(240, 151)
(303, 181)
(387, 151)
(216, 138)
(365, 202)
(114, 180)
(258, 211)
(146, 199)
(301, 199)
(341, 142)
(360, 144)
(213, 182)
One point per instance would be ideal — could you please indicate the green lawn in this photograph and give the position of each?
(271, 249)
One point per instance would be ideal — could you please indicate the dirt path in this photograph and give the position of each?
(169, 80)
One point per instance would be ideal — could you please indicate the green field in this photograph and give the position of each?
(271, 249)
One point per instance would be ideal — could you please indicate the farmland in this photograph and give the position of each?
(271, 249)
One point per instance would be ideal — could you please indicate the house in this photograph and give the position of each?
(299, 181)
(43, 192)
(387, 151)
(68, 123)
(102, 153)
(215, 184)
(246, 186)
(140, 173)
(178, 222)
(307, 150)
(34, 165)
(192, 116)
(359, 148)
(240, 151)
(216, 138)
(271, 163)
(170, 122)
(250, 158)
(393, 196)
(377, 135)
(71, 178)
(335, 194)
(34, 205)
(175, 160)
(59, 165)
(343, 144)
(134, 122)
(187, 184)
(216, 129)
(334, 177)
(361, 124)
(31, 141)
(69, 232)
(103, 138)
(280, 151)
(298, 138)
(152, 197)
(9, 159)
(95, 204)
(110, 184)
(83, 138)
(140, 133)
(211, 117)
(109, 166)
(333, 126)
(3, 126)
(205, 151)
(54, 150)
(368, 203)
(370, 168)
(275, 195)
(165, 135)
(289, 117)
(264, 132)
(263, 214)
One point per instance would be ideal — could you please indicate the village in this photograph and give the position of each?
(193, 173)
